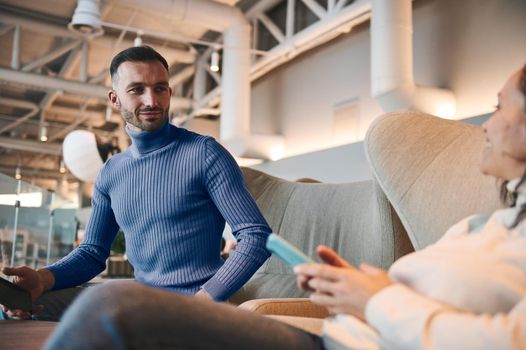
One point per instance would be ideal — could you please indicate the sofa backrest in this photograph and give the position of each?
(428, 169)
(354, 219)
(425, 179)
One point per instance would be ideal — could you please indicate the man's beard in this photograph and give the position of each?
(133, 118)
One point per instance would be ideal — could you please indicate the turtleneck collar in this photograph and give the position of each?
(144, 142)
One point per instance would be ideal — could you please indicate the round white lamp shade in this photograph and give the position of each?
(81, 155)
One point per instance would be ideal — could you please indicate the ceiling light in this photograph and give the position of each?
(18, 175)
(43, 133)
(214, 61)
(62, 168)
(138, 39)
(86, 18)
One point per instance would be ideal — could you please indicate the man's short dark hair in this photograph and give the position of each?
(136, 54)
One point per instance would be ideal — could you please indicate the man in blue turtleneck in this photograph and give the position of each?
(170, 192)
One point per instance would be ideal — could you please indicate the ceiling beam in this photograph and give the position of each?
(291, 14)
(43, 82)
(73, 112)
(36, 25)
(38, 173)
(48, 100)
(315, 8)
(184, 56)
(272, 27)
(33, 110)
(261, 7)
(182, 76)
(340, 4)
(50, 56)
(31, 146)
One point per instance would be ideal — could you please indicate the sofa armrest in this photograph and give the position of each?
(301, 307)
(308, 324)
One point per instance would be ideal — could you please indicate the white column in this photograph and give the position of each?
(392, 79)
(235, 85)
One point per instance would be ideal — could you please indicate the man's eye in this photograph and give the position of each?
(136, 90)
(161, 89)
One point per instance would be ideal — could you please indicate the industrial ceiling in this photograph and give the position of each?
(53, 80)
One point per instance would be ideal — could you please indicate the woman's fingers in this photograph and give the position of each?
(330, 302)
(320, 270)
(330, 257)
(321, 285)
(322, 299)
(303, 282)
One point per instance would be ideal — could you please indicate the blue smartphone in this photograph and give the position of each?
(289, 254)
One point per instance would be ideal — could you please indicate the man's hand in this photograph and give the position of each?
(35, 282)
(340, 287)
(230, 245)
(202, 294)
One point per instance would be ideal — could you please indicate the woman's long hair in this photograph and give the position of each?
(510, 197)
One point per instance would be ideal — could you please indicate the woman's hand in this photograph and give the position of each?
(340, 287)
(328, 256)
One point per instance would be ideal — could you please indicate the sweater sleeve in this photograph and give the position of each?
(408, 320)
(89, 258)
(227, 190)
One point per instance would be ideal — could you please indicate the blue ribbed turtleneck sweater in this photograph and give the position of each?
(171, 192)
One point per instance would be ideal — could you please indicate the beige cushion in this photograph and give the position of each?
(286, 306)
(311, 325)
(428, 168)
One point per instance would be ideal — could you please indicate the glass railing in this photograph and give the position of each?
(41, 224)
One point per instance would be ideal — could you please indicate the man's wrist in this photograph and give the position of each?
(47, 279)
(201, 293)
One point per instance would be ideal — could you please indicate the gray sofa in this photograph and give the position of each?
(425, 179)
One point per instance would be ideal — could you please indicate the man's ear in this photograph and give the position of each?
(112, 96)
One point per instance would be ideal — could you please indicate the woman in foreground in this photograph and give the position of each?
(468, 290)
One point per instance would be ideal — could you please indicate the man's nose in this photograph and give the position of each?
(148, 98)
